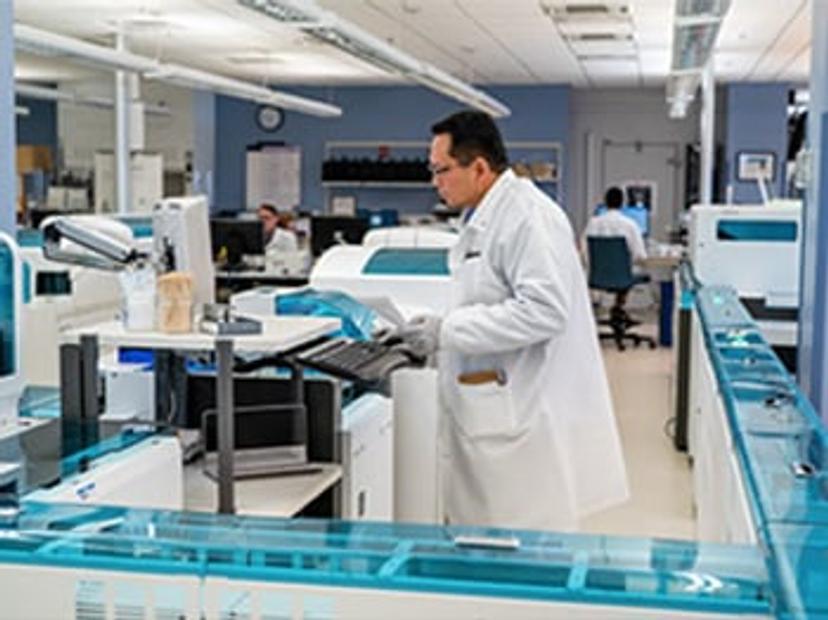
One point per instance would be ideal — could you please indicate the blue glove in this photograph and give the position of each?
(421, 335)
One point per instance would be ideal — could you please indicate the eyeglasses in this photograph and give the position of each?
(437, 171)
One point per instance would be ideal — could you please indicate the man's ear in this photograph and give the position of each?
(480, 166)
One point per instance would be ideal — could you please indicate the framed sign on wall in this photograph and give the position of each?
(754, 165)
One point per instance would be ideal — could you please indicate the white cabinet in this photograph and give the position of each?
(723, 512)
(146, 178)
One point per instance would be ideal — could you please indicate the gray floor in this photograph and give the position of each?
(660, 478)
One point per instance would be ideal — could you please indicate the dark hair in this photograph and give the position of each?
(474, 134)
(269, 207)
(614, 198)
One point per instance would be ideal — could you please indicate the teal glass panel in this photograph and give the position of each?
(408, 262)
(585, 569)
(7, 310)
(756, 230)
(29, 238)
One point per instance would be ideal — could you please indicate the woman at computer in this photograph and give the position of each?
(277, 233)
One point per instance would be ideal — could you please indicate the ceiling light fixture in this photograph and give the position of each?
(197, 79)
(696, 25)
(33, 91)
(47, 43)
(308, 17)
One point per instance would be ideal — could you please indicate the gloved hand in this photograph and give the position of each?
(421, 335)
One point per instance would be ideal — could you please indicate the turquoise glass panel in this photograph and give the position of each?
(408, 262)
(7, 309)
(756, 230)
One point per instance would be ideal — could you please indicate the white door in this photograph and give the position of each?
(658, 163)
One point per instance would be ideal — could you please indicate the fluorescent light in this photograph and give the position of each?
(716, 8)
(307, 16)
(46, 43)
(53, 94)
(202, 80)
(693, 45)
(40, 92)
(43, 42)
(696, 25)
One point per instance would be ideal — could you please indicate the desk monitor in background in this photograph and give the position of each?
(639, 215)
(232, 239)
(379, 218)
(328, 230)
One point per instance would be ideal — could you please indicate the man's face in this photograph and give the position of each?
(457, 184)
(269, 221)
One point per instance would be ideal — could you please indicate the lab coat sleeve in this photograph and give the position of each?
(539, 272)
(638, 250)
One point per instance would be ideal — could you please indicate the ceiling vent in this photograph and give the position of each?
(587, 11)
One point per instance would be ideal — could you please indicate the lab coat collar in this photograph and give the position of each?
(484, 211)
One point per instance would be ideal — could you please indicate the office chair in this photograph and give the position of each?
(610, 269)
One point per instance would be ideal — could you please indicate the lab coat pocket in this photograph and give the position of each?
(485, 410)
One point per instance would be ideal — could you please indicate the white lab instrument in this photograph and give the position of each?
(756, 250)
(410, 237)
(347, 268)
(368, 477)
(11, 378)
(146, 475)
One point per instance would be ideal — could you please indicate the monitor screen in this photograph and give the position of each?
(234, 238)
(639, 215)
(328, 230)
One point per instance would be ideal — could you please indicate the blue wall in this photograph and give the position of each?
(40, 126)
(373, 114)
(756, 121)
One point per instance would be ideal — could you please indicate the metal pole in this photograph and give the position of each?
(813, 290)
(707, 121)
(8, 181)
(225, 423)
(122, 150)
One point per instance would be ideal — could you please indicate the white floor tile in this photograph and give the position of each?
(660, 503)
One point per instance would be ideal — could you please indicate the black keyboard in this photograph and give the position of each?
(354, 359)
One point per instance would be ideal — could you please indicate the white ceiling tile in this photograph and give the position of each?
(484, 41)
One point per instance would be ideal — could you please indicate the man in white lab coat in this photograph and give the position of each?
(613, 223)
(530, 431)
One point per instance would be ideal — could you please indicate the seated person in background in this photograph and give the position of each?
(613, 223)
(278, 235)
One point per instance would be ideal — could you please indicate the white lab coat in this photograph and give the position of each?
(282, 240)
(542, 450)
(613, 223)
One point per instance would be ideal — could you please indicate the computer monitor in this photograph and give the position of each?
(234, 238)
(181, 236)
(379, 218)
(639, 215)
(328, 230)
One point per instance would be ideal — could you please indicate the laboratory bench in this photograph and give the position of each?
(760, 482)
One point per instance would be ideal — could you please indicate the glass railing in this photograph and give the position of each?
(783, 449)
(537, 566)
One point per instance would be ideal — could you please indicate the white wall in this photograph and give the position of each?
(82, 130)
(618, 115)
